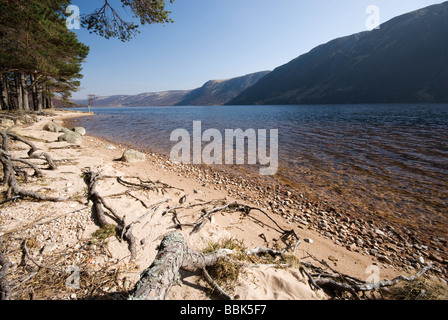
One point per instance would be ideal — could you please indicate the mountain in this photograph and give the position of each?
(218, 92)
(164, 98)
(404, 61)
(214, 92)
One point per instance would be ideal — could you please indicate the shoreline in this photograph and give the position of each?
(349, 244)
(385, 236)
(418, 229)
(334, 194)
(284, 200)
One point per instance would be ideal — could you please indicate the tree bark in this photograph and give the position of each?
(5, 290)
(39, 95)
(174, 254)
(18, 83)
(4, 92)
(25, 92)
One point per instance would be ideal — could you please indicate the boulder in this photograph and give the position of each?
(80, 130)
(53, 127)
(133, 156)
(6, 123)
(71, 137)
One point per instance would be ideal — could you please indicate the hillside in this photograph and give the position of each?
(405, 61)
(213, 92)
(218, 92)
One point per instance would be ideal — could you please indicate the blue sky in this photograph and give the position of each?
(220, 39)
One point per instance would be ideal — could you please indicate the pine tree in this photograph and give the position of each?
(39, 56)
(106, 21)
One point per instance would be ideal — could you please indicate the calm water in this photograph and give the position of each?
(384, 160)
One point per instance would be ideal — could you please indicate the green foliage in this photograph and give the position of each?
(40, 57)
(107, 22)
(226, 272)
(105, 232)
(36, 46)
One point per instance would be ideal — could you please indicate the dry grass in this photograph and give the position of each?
(227, 271)
(420, 289)
(82, 272)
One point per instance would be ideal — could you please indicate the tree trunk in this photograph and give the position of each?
(174, 254)
(25, 93)
(33, 91)
(39, 95)
(4, 92)
(50, 103)
(18, 83)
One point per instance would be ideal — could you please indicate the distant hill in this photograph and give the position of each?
(406, 60)
(214, 92)
(218, 92)
(165, 98)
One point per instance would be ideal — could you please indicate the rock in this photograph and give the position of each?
(80, 130)
(384, 259)
(359, 242)
(379, 232)
(308, 240)
(197, 191)
(6, 123)
(133, 156)
(71, 137)
(435, 257)
(48, 248)
(53, 127)
(323, 225)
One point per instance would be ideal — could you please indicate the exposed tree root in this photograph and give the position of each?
(338, 283)
(174, 254)
(124, 230)
(5, 290)
(10, 169)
